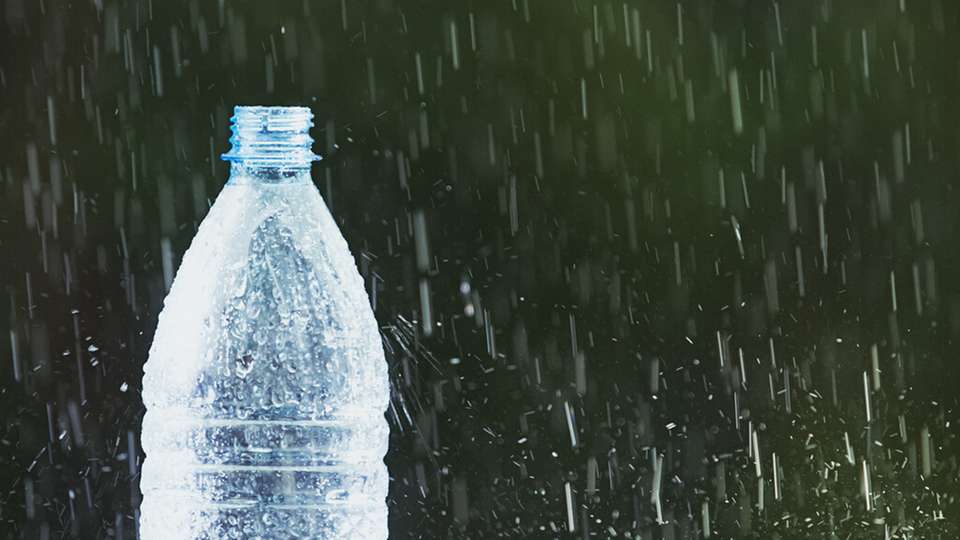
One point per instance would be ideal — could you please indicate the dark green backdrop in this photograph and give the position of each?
(647, 269)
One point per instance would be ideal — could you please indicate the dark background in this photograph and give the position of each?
(600, 293)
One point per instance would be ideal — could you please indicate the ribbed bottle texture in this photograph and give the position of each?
(266, 384)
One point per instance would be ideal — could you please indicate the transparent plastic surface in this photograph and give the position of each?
(266, 383)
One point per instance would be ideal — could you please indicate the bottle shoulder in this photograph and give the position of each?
(286, 229)
(268, 282)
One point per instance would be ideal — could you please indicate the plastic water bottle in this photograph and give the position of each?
(266, 384)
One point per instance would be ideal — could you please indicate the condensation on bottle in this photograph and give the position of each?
(266, 384)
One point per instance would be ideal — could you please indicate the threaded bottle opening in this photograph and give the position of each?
(271, 137)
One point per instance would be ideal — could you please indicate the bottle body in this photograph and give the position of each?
(266, 384)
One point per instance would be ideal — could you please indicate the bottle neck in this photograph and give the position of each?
(243, 172)
(270, 145)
